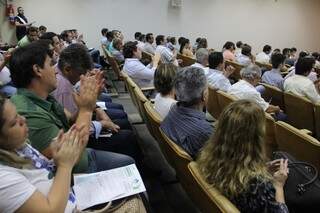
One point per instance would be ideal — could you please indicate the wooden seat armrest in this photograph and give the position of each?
(306, 131)
(147, 88)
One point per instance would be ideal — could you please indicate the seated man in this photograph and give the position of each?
(32, 35)
(148, 46)
(142, 75)
(245, 89)
(167, 56)
(75, 61)
(217, 75)
(117, 50)
(264, 56)
(55, 41)
(66, 36)
(141, 41)
(114, 110)
(34, 75)
(245, 58)
(186, 123)
(202, 55)
(104, 40)
(274, 77)
(299, 84)
(313, 76)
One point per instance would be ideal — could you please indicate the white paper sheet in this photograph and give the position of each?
(101, 104)
(102, 187)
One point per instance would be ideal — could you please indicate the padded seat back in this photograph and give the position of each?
(213, 106)
(206, 197)
(297, 143)
(300, 112)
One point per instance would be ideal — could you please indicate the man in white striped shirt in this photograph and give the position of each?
(167, 56)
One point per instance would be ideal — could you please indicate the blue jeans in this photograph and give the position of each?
(102, 160)
(261, 89)
(95, 55)
(280, 116)
(116, 114)
(8, 90)
(104, 97)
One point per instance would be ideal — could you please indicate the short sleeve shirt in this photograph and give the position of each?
(18, 185)
(244, 90)
(44, 118)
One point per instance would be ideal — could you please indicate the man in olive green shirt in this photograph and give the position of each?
(32, 35)
(34, 75)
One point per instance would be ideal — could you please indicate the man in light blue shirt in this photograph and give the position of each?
(274, 77)
(142, 75)
(217, 75)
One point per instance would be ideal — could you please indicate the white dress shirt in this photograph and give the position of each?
(165, 53)
(217, 80)
(140, 45)
(205, 69)
(292, 71)
(302, 86)
(243, 60)
(244, 90)
(263, 58)
(142, 75)
(237, 52)
(149, 48)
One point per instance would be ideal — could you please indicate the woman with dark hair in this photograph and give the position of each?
(234, 161)
(228, 51)
(203, 43)
(185, 48)
(29, 182)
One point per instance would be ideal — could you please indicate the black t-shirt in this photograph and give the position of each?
(21, 30)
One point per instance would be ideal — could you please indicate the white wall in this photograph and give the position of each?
(281, 23)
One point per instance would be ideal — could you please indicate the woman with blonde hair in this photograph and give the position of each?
(234, 161)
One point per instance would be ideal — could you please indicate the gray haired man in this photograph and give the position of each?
(245, 89)
(186, 122)
(202, 56)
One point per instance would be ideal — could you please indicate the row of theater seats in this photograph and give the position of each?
(279, 136)
(205, 197)
(301, 112)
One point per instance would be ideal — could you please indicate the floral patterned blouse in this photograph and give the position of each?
(259, 198)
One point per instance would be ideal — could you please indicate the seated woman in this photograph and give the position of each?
(234, 162)
(228, 51)
(203, 43)
(163, 82)
(185, 48)
(29, 182)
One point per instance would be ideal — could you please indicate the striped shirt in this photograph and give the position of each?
(166, 54)
(188, 128)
